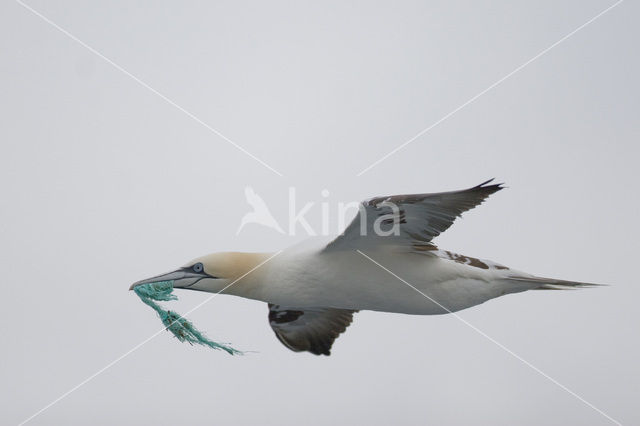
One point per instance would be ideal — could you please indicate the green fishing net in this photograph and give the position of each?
(178, 325)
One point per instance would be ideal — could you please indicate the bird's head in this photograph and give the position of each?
(212, 273)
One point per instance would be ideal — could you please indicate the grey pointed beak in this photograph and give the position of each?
(181, 278)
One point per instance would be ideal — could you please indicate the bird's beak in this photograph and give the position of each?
(182, 278)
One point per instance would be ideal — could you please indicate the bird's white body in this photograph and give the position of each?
(305, 276)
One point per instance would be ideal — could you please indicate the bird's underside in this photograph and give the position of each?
(422, 218)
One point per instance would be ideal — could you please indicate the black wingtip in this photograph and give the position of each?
(493, 187)
(485, 182)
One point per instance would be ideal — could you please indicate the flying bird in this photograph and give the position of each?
(385, 260)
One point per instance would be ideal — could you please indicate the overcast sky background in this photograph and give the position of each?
(104, 183)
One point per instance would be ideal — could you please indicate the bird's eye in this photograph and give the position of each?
(198, 267)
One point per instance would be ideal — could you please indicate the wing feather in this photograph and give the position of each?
(417, 218)
(312, 329)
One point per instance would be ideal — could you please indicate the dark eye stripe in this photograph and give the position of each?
(198, 268)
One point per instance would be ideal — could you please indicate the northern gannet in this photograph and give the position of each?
(314, 288)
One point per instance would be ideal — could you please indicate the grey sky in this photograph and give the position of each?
(104, 183)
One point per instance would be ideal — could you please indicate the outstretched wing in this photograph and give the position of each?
(309, 329)
(413, 219)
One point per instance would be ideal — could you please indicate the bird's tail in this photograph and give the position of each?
(541, 283)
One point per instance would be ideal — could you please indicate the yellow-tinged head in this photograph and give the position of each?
(213, 273)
